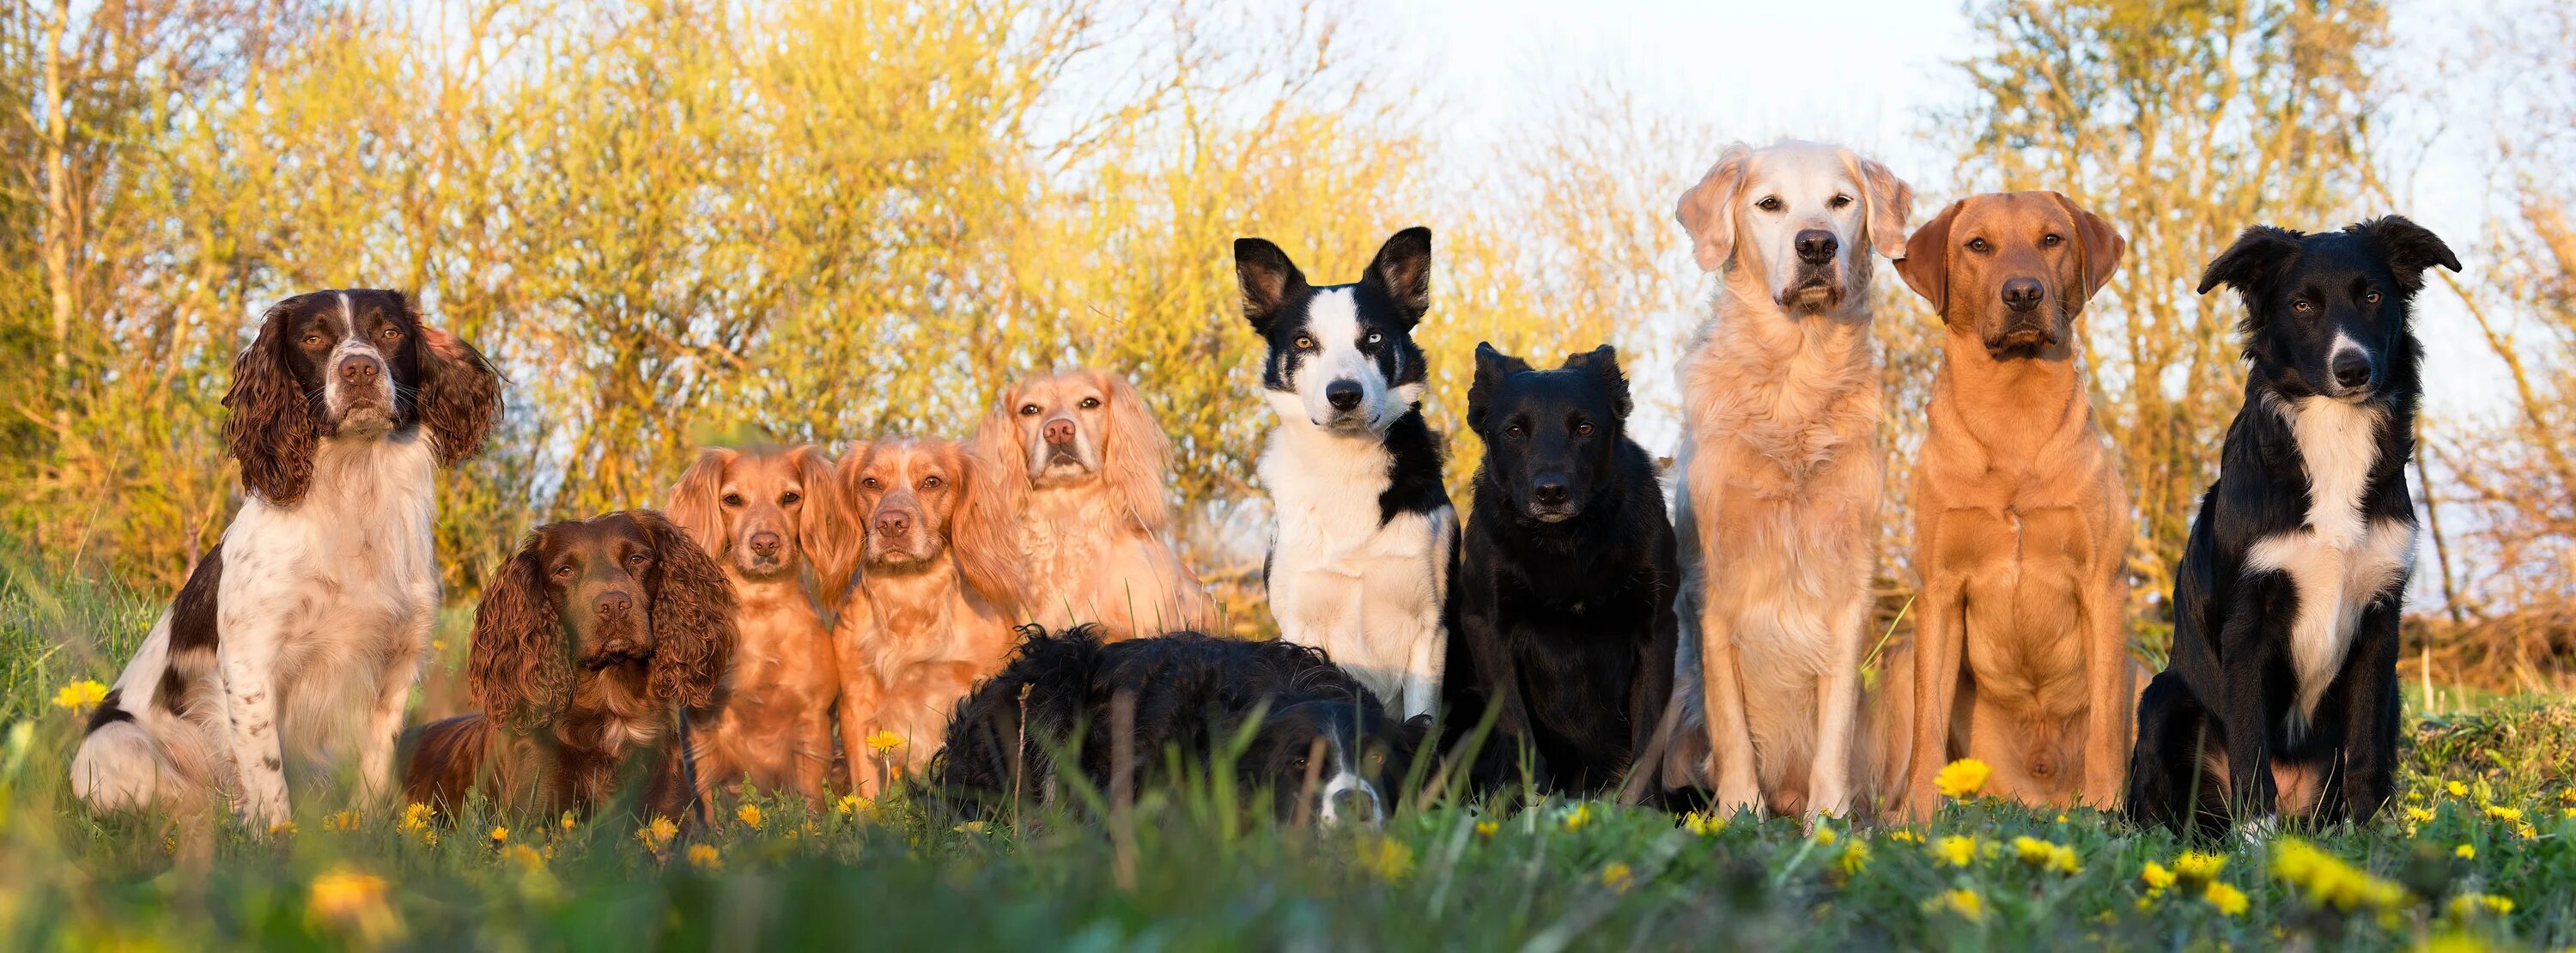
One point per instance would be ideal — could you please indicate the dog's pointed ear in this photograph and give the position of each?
(1491, 367)
(1706, 210)
(1402, 269)
(1925, 266)
(1269, 279)
(1603, 364)
(2260, 252)
(2409, 249)
(1889, 203)
(2097, 242)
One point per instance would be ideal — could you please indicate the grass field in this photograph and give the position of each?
(2480, 855)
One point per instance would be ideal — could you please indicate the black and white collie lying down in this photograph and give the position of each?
(1366, 539)
(2281, 695)
(1324, 746)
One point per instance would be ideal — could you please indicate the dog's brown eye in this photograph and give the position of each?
(638, 559)
(392, 333)
(1305, 343)
(312, 339)
(2372, 297)
(1299, 763)
(2052, 240)
(1840, 201)
(733, 499)
(870, 483)
(1980, 245)
(788, 499)
(1514, 431)
(1769, 203)
(1028, 410)
(2299, 306)
(564, 571)
(1583, 429)
(1090, 403)
(931, 482)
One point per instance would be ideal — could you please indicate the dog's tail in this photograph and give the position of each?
(120, 766)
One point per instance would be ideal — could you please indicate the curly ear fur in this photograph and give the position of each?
(693, 501)
(1491, 367)
(460, 393)
(983, 536)
(272, 431)
(1602, 363)
(1706, 210)
(1925, 266)
(826, 531)
(1135, 456)
(517, 668)
(692, 613)
(1889, 202)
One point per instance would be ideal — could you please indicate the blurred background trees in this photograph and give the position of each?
(680, 222)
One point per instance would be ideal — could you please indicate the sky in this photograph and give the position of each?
(1864, 74)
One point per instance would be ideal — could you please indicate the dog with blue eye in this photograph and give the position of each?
(1565, 589)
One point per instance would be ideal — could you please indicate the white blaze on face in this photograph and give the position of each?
(2343, 343)
(1333, 320)
(1347, 783)
(1805, 178)
(335, 395)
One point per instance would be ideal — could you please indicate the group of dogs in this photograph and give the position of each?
(993, 616)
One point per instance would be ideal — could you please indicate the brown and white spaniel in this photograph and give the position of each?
(585, 649)
(766, 514)
(301, 632)
(1092, 506)
(931, 614)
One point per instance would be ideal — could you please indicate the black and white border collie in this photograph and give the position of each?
(1359, 565)
(2281, 696)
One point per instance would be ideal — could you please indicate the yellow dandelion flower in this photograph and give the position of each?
(2456, 788)
(2198, 868)
(884, 741)
(2499, 812)
(342, 821)
(705, 857)
(350, 902)
(1824, 835)
(1962, 779)
(971, 827)
(2465, 852)
(1967, 903)
(1486, 829)
(1855, 858)
(525, 856)
(2415, 794)
(2419, 815)
(1906, 836)
(2157, 879)
(1387, 858)
(2229, 900)
(1955, 850)
(2567, 795)
(1576, 818)
(1703, 824)
(2525, 831)
(438, 646)
(416, 816)
(850, 804)
(2040, 853)
(1617, 877)
(80, 696)
(282, 829)
(749, 815)
(2468, 905)
(657, 833)
(2330, 881)
(567, 820)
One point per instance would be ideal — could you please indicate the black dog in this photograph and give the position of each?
(2281, 696)
(1565, 596)
(1192, 694)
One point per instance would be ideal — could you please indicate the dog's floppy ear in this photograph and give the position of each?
(1925, 266)
(517, 668)
(1706, 210)
(1602, 363)
(693, 500)
(2408, 248)
(272, 431)
(460, 393)
(692, 611)
(1491, 367)
(984, 533)
(1269, 279)
(825, 530)
(1135, 456)
(2260, 252)
(1888, 203)
(2098, 246)
(1402, 269)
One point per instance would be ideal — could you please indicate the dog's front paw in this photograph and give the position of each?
(2259, 830)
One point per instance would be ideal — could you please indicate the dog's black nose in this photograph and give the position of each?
(1343, 395)
(765, 543)
(2023, 294)
(1816, 246)
(1549, 491)
(2351, 369)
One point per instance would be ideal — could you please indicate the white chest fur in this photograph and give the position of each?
(2338, 563)
(1364, 590)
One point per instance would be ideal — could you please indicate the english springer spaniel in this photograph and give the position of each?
(318, 601)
